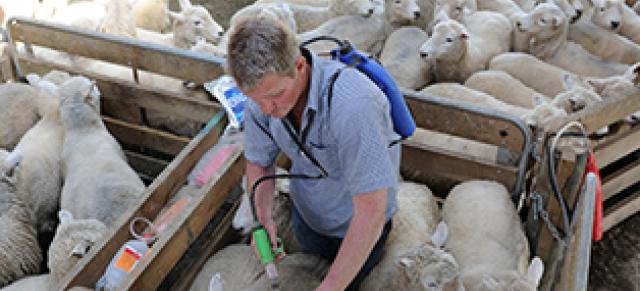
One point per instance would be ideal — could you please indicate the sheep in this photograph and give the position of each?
(73, 240)
(236, 265)
(366, 33)
(487, 240)
(310, 17)
(151, 15)
(504, 87)
(617, 16)
(83, 14)
(191, 23)
(618, 87)
(470, 96)
(20, 254)
(295, 272)
(11, 8)
(39, 283)
(604, 44)
(40, 177)
(18, 112)
(458, 52)
(548, 28)
(529, 69)
(572, 9)
(119, 19)
(410, 260)
(401, 59)
(93, 164)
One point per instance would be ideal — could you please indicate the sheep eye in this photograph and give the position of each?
(459, 8)
(542, 20)
(432, 285)
(449, 39)
(601, 9)
(197, 22)
(398, 1)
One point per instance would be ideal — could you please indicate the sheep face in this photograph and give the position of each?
(195, 21)
(607, 13)
(429, 268)
(353, 7)
(403, 11)
(546, 21)
(574, 98)
(572, 8)
(506, 280)
(617, 86)
(448, 42)
(80, 89)
(450, 9)
(543, 113)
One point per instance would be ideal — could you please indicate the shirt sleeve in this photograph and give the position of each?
(259, 146)
(362, 127)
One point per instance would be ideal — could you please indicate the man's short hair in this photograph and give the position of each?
(258, 46)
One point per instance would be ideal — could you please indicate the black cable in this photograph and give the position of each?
(554, 185)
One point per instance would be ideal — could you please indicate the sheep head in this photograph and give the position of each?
(607, 13)
(192, 22)
(448, 42)
(353, 7)
(402, 12)
(575, 98)
(80, 89)
(544, 22)
(9, 162)
(451, 9)
(543, 113)
(617, 86)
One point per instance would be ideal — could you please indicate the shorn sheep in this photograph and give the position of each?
(98, 182)
(20, 253)
(487, 240)
(401, 58)
(73, 240)
(548, 27)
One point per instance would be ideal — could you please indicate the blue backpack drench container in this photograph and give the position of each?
(403, 123)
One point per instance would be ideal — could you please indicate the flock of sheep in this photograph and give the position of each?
(539, 61)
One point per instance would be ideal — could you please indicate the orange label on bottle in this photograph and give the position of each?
(127, 260)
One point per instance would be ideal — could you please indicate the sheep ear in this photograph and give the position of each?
(32, 79)
(216, 284)
(440, 235)
(65, 216)
(184, 4)
(567, 82)
(535, 271)
(12, 161)
(176, 17)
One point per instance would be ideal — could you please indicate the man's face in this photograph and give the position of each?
(276, 94)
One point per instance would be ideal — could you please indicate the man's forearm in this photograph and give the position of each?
(264, 192)
(363, 233)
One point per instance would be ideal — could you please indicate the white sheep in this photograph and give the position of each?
(98, 182)
(18, 112)
(458, 51)
(366, 33)
(617, 16)
(295, 272)
(82, 14)
(487, 240)
(310, 17)
(73, 240)
(118, 18)
(603, 43)
(548, 27)
(618, 87)
(152, 15)
(464, 94)
(191, 23)
(401, 58)
(572, 9)
(21, 254)
(236, 265)
(12, 8)
(529, 69)
(38, 282)
(411, 261)
(41, 147)
(503, 86)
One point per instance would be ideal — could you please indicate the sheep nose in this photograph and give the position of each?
(416, 14)
(371, 10)
(423, 54)
(221, 33)
(578, 13)
(519, 24)
(615, 24)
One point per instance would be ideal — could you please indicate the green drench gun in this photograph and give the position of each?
(267, 256)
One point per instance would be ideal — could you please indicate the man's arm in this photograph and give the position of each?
(264, 196)
(364, 231)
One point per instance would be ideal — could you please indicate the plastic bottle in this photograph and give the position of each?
(125, 260)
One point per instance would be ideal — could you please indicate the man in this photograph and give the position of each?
(346, 215)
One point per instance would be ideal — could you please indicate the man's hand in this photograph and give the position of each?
(272, 229)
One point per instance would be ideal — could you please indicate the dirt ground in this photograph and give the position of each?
(615, 261)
